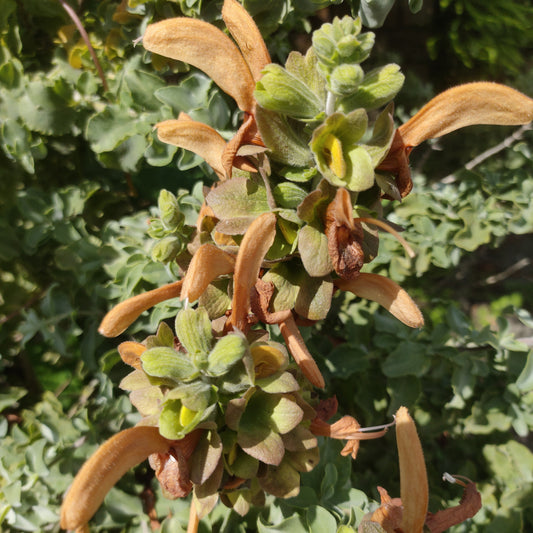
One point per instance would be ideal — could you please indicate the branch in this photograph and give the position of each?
(506, 143)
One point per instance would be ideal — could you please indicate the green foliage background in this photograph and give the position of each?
(80, 174)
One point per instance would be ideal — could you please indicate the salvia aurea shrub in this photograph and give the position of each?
(227, 413)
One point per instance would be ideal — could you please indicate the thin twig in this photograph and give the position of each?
(77, 22)
(513, 269)
(25, 306)
(506, 143)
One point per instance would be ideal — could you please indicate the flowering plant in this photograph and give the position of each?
(293, 218)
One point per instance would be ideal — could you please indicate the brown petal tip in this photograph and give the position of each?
(386, 293)
(125, 313)
(104, 468)
(413, 478)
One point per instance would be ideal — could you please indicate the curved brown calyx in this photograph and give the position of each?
(344, 237)
(397, 164)
(260, 301)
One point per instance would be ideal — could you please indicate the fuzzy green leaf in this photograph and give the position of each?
(313, 248)
(239, 198)
(165, 362)
(227, 351)
(193, 329)
(280, 91)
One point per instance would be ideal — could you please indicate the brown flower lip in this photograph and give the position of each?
(387, 293)
(104, 468)
(347, 428)
(125, 313)
(235, 68)
(458, 107)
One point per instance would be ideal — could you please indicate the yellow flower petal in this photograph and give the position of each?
(247, 35)
(104, 468)
(465, 105)
(386, 293)
(255, 244)
(267, 359)
(126, 312)
(206, 47)
(414, 490)
(207, 264)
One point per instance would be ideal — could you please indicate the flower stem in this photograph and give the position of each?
(192, 527)
(330, 103)
(77, 22)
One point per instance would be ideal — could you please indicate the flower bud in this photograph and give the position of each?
(345, 79)
(169, 210)
(340, 43)
(167, 249)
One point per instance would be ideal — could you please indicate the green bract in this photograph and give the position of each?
(280, 91)
(243, 397)
(339, 157)
(166, 362)
(377, 88)
(193, 329)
